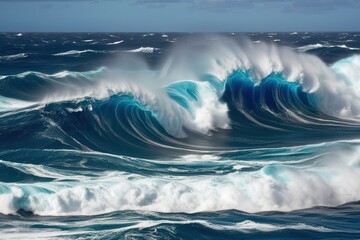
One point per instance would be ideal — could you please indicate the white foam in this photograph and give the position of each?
(318, 45)
(143, 50)
(13, 57)
(334, 180)
(9, 104)
(74, 110)
(74, 52)
(115, 43)
(43, 171)
(248, 225)
(199, 158)
(245, 226)
(209, 113)
(346, 47)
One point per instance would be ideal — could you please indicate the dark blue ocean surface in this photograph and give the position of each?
(179, 136)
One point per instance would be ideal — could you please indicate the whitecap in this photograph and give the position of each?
(115, 43)
(310, 47)
(74, 110)
(75, 52)
(283, 189)
(14, 56)
(319, 45)
(143, 50)
(248, 225)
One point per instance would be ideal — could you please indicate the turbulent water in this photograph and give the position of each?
(179, 136)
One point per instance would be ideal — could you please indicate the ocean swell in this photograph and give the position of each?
(196, 86)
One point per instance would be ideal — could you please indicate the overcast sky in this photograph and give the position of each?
(179, 15)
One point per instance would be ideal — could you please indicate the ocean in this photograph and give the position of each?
(180, 135)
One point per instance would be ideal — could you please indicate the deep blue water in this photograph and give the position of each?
(179, 135)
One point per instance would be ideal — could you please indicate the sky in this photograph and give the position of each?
(178, 15)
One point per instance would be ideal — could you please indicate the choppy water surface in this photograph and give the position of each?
(179, 136)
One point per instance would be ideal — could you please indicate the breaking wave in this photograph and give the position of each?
(197, 88)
